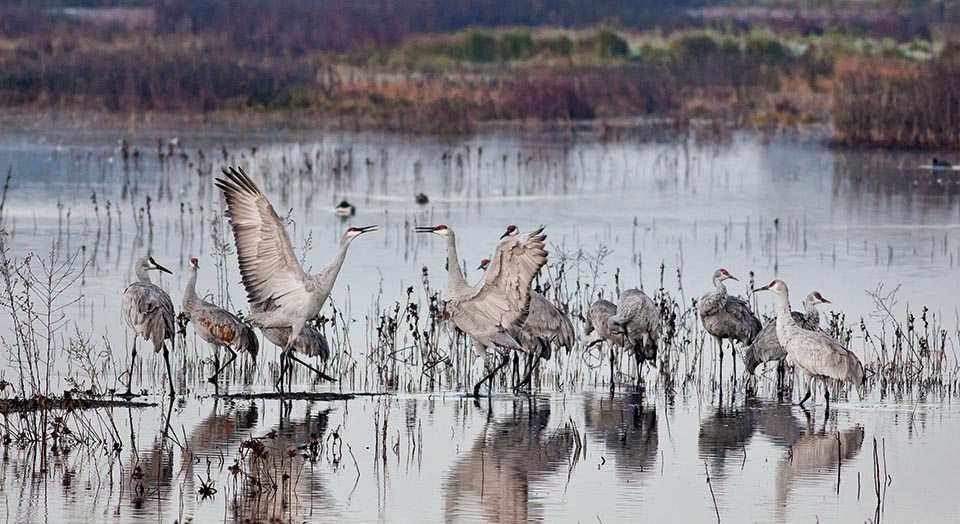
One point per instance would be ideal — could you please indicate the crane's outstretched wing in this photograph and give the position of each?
(502, 299)
(270, 271)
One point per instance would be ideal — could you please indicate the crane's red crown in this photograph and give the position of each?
(440, 227)
(194, 261)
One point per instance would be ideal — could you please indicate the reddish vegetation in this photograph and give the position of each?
(891, 104)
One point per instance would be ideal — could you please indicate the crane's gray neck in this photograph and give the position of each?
(190, 293)
(329, 274)
(142, 275)
(454, 275)
(721, 289)
(810, 312)
(784, 317)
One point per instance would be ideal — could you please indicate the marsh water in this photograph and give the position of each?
(651, 209)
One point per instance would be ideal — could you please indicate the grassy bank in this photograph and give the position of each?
(449, 82)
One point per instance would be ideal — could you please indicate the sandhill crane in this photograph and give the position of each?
(492, 312)
(767, 348)
(280, 293)
(819, 355)
(635, 325)
(217, 326)
(597, 316)
(149, 311)
(726, 316)
(638, 322)
(545, 325)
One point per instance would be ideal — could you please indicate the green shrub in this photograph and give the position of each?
(611, 45)
(560, 45)
(514, 45)
(478, 46)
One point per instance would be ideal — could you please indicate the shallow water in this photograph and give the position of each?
(515, 459)
(841, 223)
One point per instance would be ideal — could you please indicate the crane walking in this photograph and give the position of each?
(817, 354)
(217, 326)
(149, 311)
(492, 312)
(767, 347)
(280, 292)
(545, 325)
(727, 317)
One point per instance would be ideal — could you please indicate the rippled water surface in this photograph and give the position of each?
(413, 448)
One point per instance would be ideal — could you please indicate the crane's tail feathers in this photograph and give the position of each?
(249, 342)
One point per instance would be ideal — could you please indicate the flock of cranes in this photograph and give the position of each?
(501, 314)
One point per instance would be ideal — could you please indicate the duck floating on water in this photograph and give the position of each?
(345, 209)
(937, 163)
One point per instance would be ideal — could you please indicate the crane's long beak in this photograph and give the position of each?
(505, 234)
(481, 267)
(367, 229)
(731, 277)
(161, 268)
(425, 229)
(825, 301)
(764, 288)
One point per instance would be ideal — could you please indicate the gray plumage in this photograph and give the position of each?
(217, 326)
(597, 316)
(725, 316)
(493, 311)
(817, 354)
(547, 325)
(310, 342)
(638, 322)
(148, 310)
(767, 348)
(280, 293)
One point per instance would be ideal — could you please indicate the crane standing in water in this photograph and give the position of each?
(217, 326)
(816, 353)
(638, 321)
(727, 317)
(634, 324)
(492, 312)
(767, 347)
(545, 325)
(149, 311)
(280, 292)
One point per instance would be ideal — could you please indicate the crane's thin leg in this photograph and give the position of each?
(516, 370)
(233, 356)
(639, 358)
(285, 356)
(319, 373)
(489, 376)
(133, 361)
(809, 388)
(781, 369)
(166, 360)
(733, 354)
(826, 394)
(720, 343)
(613, 367)
(532, 363)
